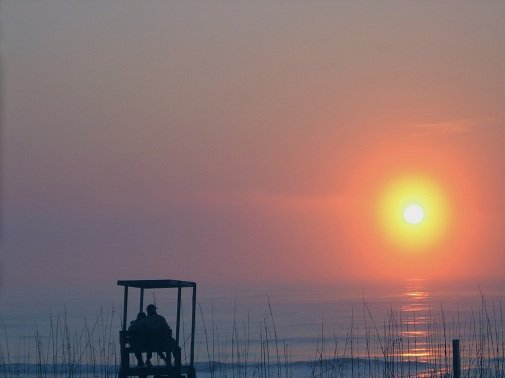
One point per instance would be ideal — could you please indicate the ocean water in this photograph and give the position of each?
(403, 330)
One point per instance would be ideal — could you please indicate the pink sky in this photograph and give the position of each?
(216, 141)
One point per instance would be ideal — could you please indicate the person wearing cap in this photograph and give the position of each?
(156, 328)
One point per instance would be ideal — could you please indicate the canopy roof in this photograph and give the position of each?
(156, 284)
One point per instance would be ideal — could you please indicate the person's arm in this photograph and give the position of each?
(166, 328)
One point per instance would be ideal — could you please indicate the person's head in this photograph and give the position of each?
(141, 315)
(151, 309)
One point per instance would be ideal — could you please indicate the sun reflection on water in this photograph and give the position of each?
(415, 320)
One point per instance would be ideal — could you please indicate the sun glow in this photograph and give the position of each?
(413, 213)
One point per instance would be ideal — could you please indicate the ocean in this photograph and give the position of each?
(401, 330)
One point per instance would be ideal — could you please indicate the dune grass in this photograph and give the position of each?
(59, 350)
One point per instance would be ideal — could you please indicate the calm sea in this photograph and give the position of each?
(405, 328)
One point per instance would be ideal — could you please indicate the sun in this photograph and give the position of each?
(413, 213)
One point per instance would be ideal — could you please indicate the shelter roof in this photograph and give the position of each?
(156, 284)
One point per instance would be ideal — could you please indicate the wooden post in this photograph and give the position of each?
(178, 324)
(125, 307)
(122, 344)
(141, 300)
(456, 359)
(193, 313)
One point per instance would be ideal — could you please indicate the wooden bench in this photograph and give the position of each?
(169, 348)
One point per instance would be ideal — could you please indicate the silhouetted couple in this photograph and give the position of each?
(150, 333)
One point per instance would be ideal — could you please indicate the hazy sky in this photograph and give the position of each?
(245, 141)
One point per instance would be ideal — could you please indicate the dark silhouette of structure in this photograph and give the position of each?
(151, 334)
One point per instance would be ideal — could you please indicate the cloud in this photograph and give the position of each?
(442, 128)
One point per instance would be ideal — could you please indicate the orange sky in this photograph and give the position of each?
(245, 142)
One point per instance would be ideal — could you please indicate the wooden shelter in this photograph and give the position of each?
(175, 370)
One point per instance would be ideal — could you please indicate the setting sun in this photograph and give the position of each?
(413, 213)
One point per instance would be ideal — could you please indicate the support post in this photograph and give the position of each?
(178, 315)
(125, 307)
(192, 359)
(141, 300)
(122, 343)
(456, 359)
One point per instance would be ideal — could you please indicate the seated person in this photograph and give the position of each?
(152, 333)
(136, 341)
(157, 332)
